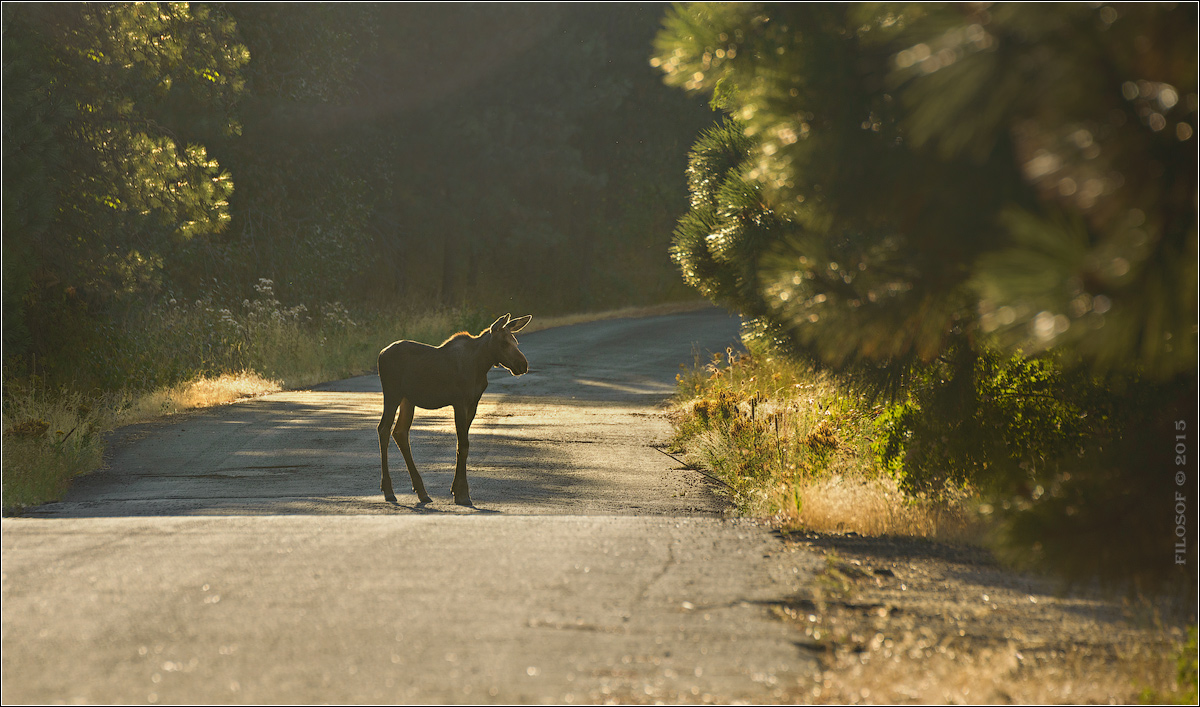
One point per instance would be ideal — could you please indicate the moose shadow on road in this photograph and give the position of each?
(304, 453)
(573, 436)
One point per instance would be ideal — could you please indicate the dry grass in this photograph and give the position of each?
(201, 393)
(875, 506)
(47, 441)
(796, 445)
(912, 671)
(50, 439)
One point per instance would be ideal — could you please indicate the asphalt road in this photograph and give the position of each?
(244, 554)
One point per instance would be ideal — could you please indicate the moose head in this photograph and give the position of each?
(504, 344)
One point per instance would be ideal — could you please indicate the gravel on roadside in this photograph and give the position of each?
(904, 620)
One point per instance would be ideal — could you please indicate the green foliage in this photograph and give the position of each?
(175, 340)
(1187, 666)
(104, 177)
(714, 244)
(304, 164)
(988, 419)
(410, 152)
(382, 154)
(937, 169)
(554, 179)
(985, 213)
(1056, 454)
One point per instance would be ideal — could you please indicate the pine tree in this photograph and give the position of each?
(990, 213)
(1026, 173)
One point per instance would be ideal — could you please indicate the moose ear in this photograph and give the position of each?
(500, 323)
(519, 323)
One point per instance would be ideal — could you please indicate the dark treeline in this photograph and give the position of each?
(400, 156)
(462, 154)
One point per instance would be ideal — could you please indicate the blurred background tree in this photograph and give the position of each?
(535, 156)
(988, 211)
(302, 161)
(511, 156)
(106, 177)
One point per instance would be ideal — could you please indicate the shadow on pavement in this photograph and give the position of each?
(572, 436)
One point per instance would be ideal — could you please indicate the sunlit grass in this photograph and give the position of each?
(203, 392)
(797, 446)
(50, 437)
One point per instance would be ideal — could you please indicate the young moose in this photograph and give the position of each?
(416, 375)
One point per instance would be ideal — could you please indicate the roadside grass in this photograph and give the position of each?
(178, 356)
(1185, 665)
(913, 669)
(798, 446)
(48, 439)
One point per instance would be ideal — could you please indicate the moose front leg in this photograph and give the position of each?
(463, 417)
(400, 434)
(385, 429)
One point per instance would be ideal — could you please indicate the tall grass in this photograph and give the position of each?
(172, 341)
(799, 446)
(48, 439)
(173, 356)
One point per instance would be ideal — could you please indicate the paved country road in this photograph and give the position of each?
(245, 554)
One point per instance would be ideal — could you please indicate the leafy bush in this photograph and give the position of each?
(986, 419)
(798, 445)
(1076, 471)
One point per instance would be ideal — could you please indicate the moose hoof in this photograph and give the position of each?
(464, 501)
(424, 498)
(389, 496)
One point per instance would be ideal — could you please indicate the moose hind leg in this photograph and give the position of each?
(400, 434)
(463, 417)
(385, 430)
